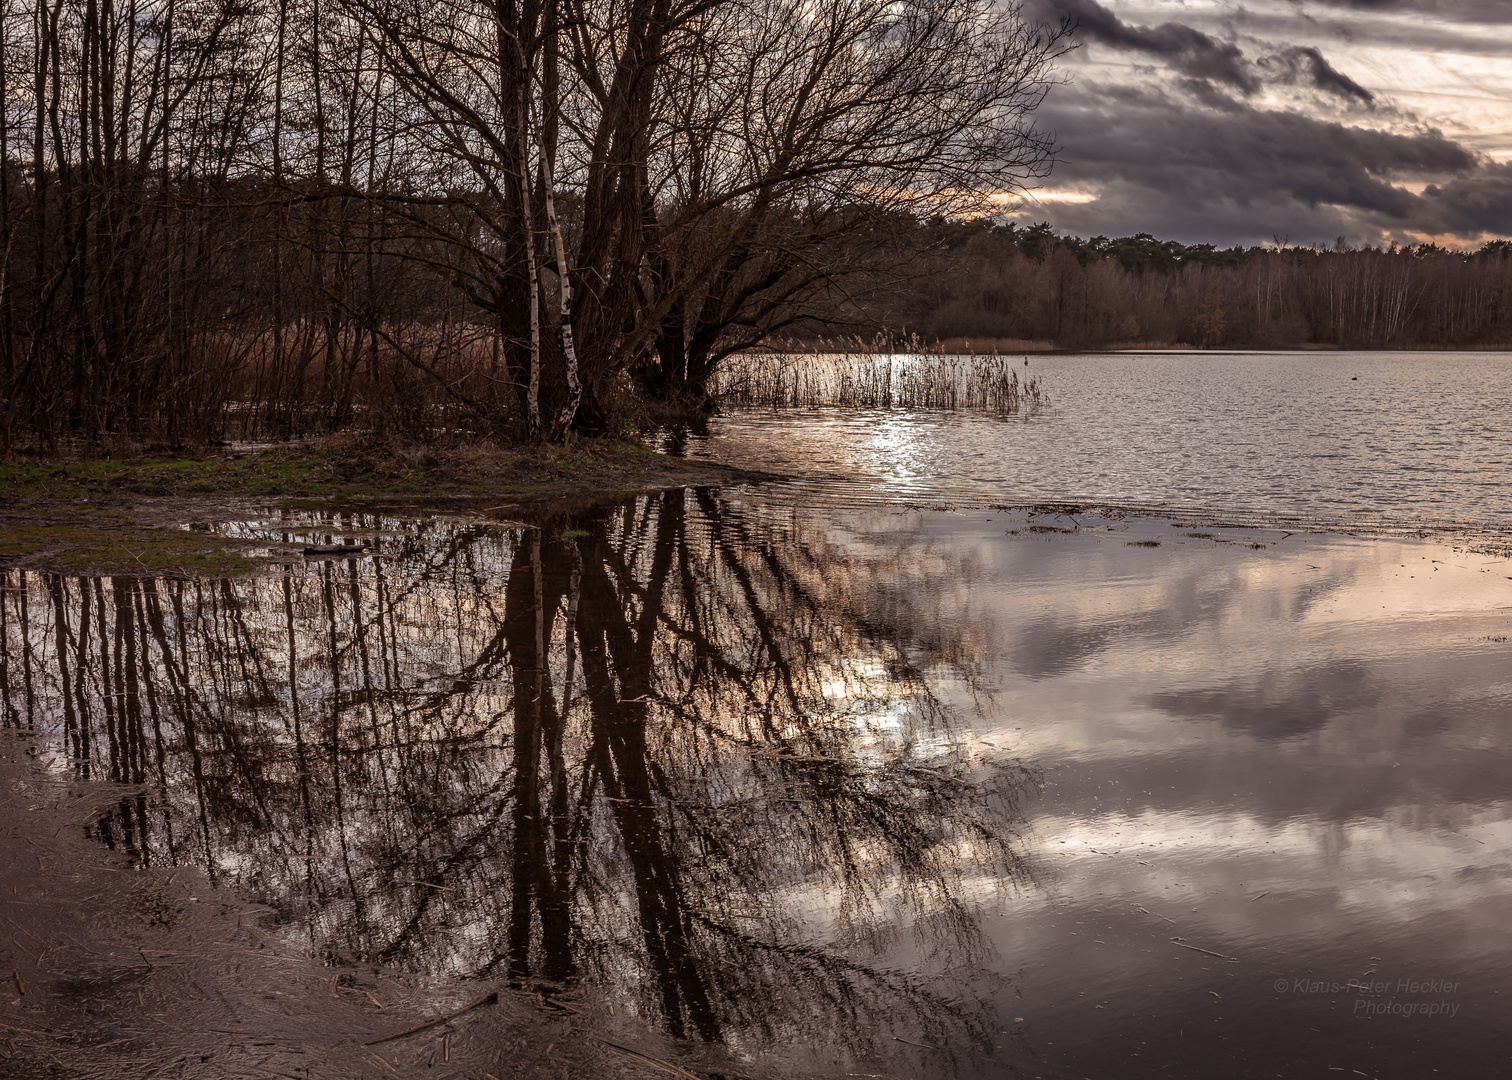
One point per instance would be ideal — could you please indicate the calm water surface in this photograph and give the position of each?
(841, 791)
(1322, 436)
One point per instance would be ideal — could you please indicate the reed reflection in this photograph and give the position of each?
(701, 758)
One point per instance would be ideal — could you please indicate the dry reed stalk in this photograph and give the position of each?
(850, 373)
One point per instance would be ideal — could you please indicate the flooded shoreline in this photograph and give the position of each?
(118, 970)
(921, 793)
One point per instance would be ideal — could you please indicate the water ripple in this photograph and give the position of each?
(1400, 437)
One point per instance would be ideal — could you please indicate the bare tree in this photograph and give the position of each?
(723, 164)
(286, 214)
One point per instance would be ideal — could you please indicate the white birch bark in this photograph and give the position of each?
(569, 352)
(533, 394)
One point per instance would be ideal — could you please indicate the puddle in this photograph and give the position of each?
(941, 793)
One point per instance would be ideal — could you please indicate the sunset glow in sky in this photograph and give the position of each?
(1303, 120)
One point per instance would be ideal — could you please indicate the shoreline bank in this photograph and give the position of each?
(131, 515)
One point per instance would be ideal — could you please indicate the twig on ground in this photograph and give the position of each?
(1209, 952)
(665, 1066)
(488, 1000)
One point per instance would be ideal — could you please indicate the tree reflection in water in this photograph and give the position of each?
(698, 756)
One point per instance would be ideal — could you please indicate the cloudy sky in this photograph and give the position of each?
(1304, 120)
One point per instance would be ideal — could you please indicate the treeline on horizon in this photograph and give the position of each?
(541, 218)
(983, 281)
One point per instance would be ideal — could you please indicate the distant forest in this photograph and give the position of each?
(983, 281)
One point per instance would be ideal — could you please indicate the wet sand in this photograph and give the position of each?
(117, 973)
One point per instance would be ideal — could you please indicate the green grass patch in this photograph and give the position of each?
(112, 481)
(109, 515)
(124, 550)
(357, 467)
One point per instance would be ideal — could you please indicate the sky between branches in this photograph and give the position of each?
(1302, 120)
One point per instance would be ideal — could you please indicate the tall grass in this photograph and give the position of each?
(851, 373)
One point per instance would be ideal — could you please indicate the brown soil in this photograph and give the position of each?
(128, 973)
(127, 515)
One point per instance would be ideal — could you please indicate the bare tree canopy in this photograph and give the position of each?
(294, 214)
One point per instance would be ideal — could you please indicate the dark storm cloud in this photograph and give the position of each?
(1226, 172)
(1464, 11)
(1480, 201)
(1200, 57)
(1243, 152)
(1305, 62)
(1179, 147)
(1187, 50)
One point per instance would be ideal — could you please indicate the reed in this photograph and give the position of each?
(853, 373)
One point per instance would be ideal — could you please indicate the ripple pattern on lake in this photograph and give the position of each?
(1327, 436)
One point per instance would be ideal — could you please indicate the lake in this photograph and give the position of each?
(1323, 437)
(807, 782)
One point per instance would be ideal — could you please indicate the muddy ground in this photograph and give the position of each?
(114, 972)
(127, 514)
